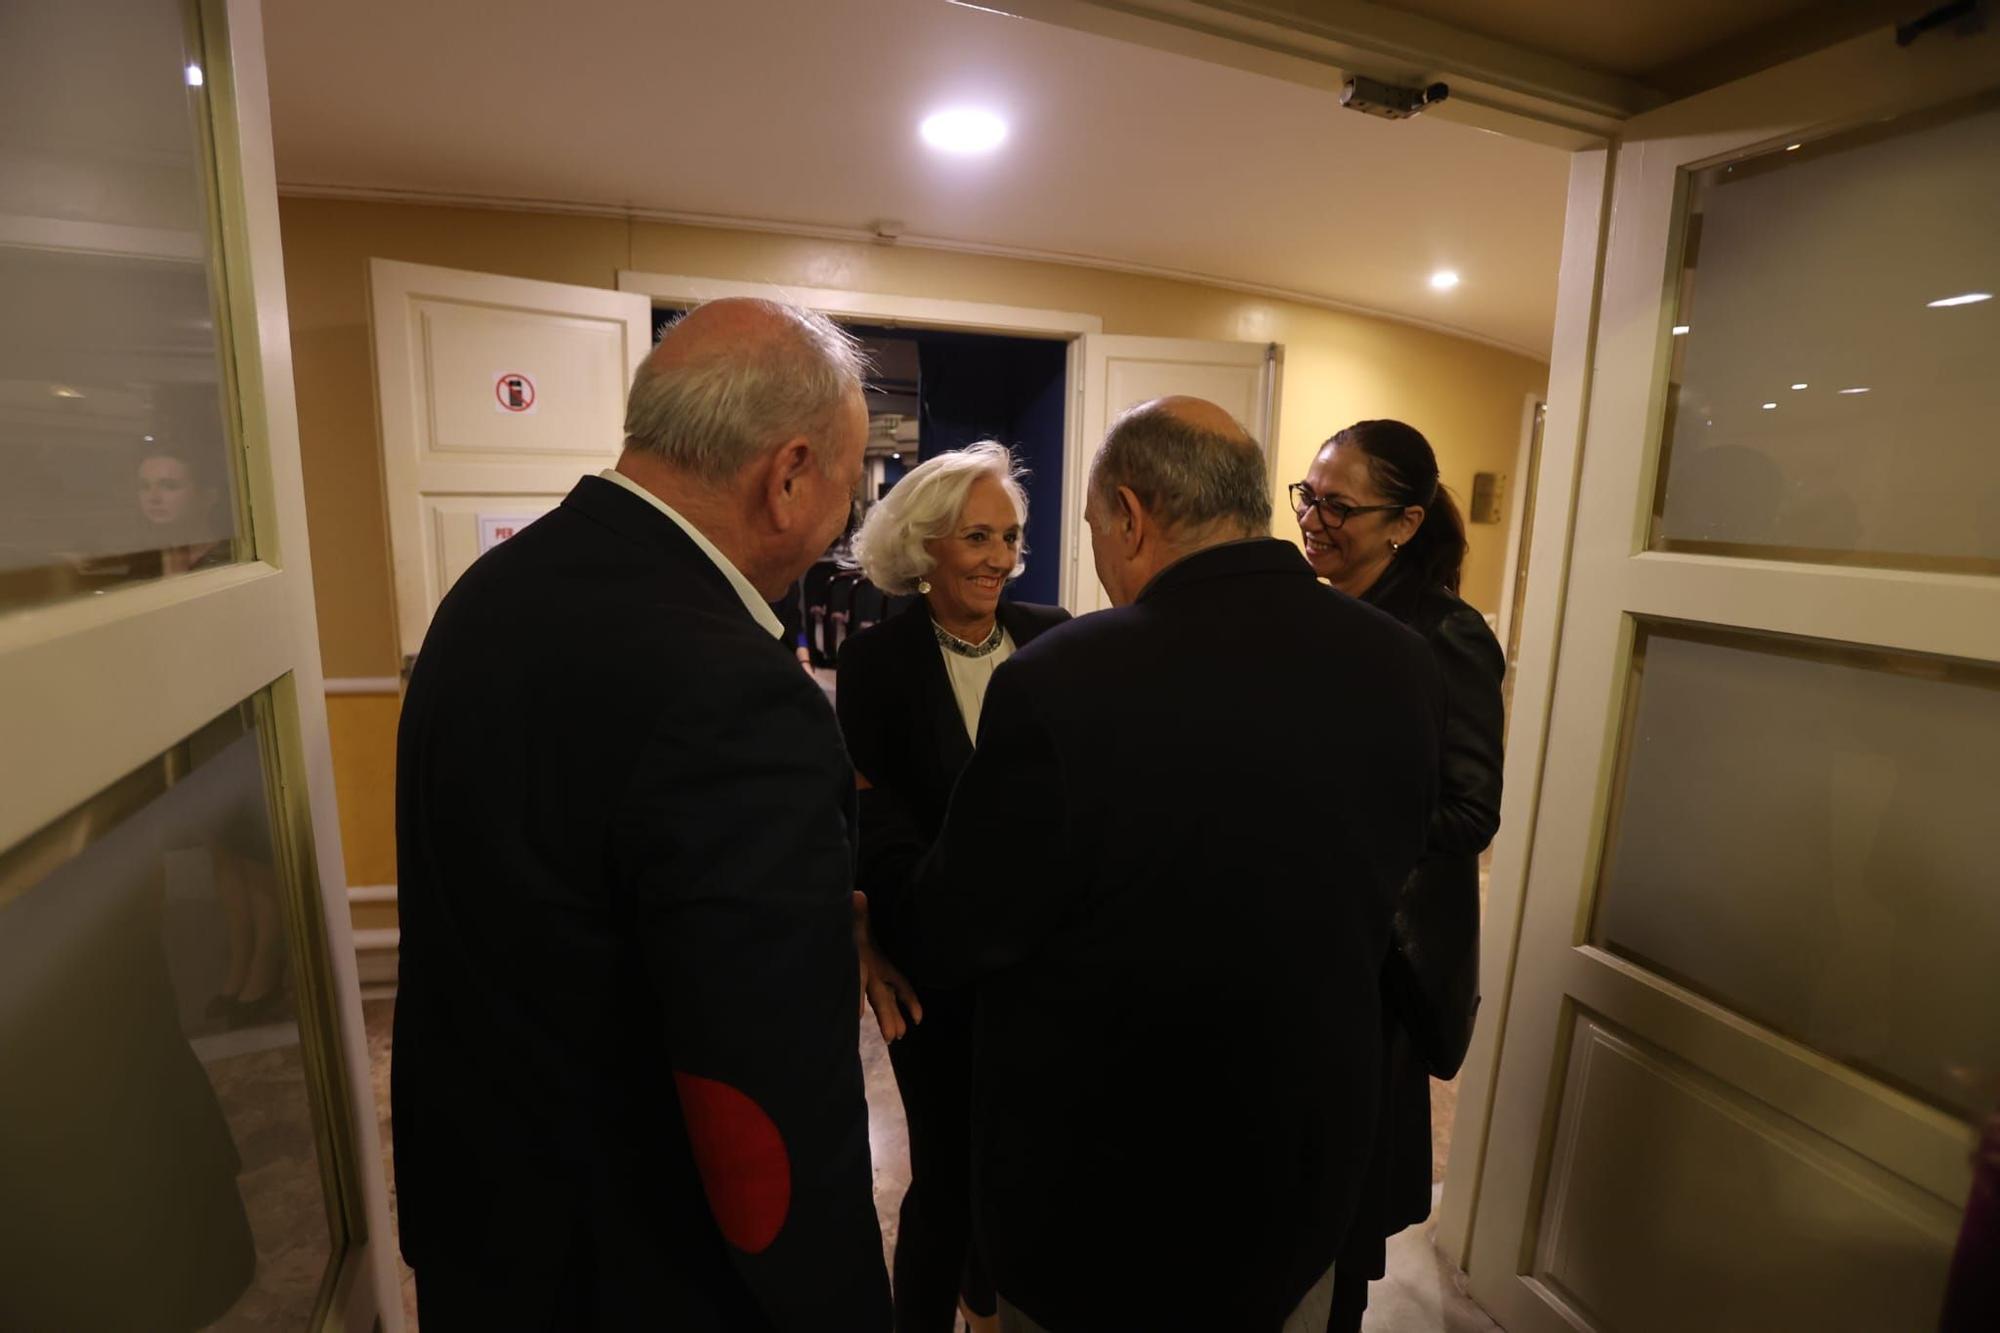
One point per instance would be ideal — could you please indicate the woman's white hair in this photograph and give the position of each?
(926, 504)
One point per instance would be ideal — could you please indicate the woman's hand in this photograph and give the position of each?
(883, 988)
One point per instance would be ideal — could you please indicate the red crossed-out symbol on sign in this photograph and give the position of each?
(515, 392)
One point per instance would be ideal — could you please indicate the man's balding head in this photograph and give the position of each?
(735, 378)
(1174, 476)
(1191, 464)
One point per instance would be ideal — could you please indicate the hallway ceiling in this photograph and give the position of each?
(805, 113)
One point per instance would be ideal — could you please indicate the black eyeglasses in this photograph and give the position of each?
(1332, 512)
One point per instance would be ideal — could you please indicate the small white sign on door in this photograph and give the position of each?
(497, 528)
(514, 393)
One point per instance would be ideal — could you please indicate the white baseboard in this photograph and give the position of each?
(375, 954)
(363, 685)
(371, 893)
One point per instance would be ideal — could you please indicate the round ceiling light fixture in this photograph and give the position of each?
(1444, 280)
(963, 130)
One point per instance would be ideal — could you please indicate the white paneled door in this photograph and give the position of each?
(1116, 372)
(1747, 1024)
(496, 394)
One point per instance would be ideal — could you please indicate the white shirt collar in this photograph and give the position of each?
(753, 601)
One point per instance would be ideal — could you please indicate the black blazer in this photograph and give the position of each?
(1431, 982)
(1435, 972)
(1170, 865)
(627, 962)
(903, 728)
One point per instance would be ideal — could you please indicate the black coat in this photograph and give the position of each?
(1431, 984)
(902, 724)
(908, 738)
(627, 961)
(1171, 865)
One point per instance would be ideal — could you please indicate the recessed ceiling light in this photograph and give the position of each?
(1793, 147)
(1444, 280)
(65, 391)
(1680, 330)
(149, 439)
(1801, 386)
(1770, 407)
(194, 76)
(964, 130)
(1860, 390)
(1966, 298)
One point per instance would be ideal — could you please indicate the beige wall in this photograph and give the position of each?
(1338, 367)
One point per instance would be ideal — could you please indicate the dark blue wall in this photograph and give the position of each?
(983, 387)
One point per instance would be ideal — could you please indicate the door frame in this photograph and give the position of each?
(1518, 486)
(923, 312)
(1585, 223)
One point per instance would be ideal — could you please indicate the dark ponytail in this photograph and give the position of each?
(1405, 470)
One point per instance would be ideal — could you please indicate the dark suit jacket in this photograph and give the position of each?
(1170, 864)
(627, 963)
(903, 727)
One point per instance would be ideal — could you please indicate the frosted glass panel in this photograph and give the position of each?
(158, 1141)
(115, 460)
(1825, 405)
(1804, 833)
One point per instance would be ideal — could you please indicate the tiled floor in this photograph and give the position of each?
(1420, 1293)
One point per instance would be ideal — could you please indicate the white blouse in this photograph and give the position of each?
(970, 677)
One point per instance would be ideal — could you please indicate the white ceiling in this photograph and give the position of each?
(805, 112)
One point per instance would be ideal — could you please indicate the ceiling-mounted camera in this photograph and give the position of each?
(1388, 100)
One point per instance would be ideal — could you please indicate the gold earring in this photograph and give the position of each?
(924, 587)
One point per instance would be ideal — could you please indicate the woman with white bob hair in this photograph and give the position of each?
(908, 695)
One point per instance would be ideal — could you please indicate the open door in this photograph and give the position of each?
(1112, 372)
(1734, 1056)
(496, 394)
(186, 1131)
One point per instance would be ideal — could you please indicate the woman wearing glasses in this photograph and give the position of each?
(1379, 526)
(909, 696)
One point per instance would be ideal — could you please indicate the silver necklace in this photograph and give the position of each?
(951, 643)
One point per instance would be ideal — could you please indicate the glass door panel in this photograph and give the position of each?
(1835, 339)
(164, 1131)
(1799, 833)
(119, 461)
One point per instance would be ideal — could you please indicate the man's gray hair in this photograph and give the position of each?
(1188, 477)
(712, 415)
(926, 504)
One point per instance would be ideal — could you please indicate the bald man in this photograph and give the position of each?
(625, 1082)
(1169, 867)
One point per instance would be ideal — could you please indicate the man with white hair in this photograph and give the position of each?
(626, 1085)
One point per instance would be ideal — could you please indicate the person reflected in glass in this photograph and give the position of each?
(1379, 526)
(181, 501)
(246, 889)
(909, 695)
